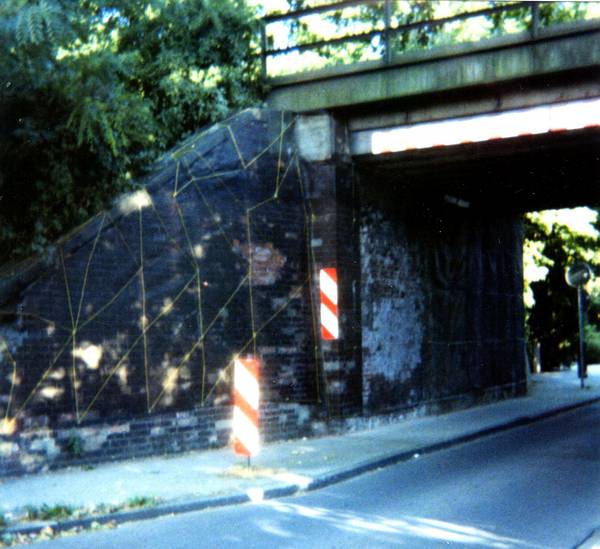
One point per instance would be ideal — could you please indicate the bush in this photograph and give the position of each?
(592, 344)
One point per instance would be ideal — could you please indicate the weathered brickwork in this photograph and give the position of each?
(441, 302)
(39, 447)
(334, 243)
(139, 314)
(121, 343)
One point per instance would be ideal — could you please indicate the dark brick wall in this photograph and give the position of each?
(140, 313)
(348, 253)
(40, 447)
(121, 343)
(334, 243)
(442, 311)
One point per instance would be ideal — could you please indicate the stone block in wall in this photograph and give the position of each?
(315, 137)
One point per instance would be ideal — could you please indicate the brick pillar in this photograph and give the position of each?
(333, 205)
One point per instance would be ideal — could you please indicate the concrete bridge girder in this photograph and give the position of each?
(490, 63)
(495, 76)
(498, 99)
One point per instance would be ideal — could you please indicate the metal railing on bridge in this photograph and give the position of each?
(383, 30)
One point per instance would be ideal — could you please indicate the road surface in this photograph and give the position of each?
(532, 487)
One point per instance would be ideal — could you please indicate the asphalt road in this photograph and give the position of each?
(533, 487)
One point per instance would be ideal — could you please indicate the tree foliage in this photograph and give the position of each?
(552, 320)
(93, 90)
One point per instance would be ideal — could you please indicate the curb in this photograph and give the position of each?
(323, 481)
(591, 541)
(356, 470)
(122, 517)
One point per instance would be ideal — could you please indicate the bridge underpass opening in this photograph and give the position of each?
(427, 242)
(555, 242)
(441, 233)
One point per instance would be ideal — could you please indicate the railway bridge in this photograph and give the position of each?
(382, 199)
(428, 161)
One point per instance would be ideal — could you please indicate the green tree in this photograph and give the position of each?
(94, 90)
(552, 245)
(194, 61)
(70, 129)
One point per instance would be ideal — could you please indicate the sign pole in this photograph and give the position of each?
(577, 275)
(581, 306)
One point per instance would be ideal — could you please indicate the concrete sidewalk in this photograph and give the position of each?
(210, 478)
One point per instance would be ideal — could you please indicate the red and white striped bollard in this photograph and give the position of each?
(246, 399)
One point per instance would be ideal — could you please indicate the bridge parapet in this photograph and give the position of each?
(437, 66)
(387, 29)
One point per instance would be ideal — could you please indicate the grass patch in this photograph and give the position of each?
(49, 512)
(62, 512)
(138, 502)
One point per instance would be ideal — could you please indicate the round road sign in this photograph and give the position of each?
(578, 274)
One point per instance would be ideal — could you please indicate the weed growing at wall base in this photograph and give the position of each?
(75, 446)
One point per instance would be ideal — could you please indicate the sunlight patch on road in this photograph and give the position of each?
(256, 495)
(270, 527)
(405, 527)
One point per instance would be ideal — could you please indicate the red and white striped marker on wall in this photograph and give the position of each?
(329, 303)
(246, 396)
